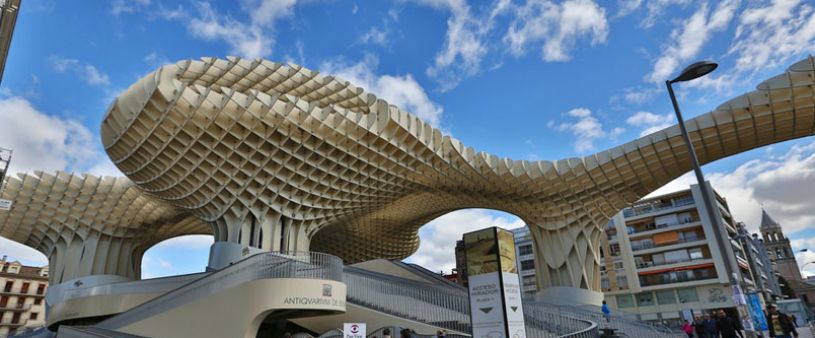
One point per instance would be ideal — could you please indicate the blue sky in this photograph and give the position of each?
(527, 79)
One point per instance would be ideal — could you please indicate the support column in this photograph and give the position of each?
(249, 233)
(567, 258)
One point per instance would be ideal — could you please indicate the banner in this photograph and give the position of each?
(5, 204)
(494, 288)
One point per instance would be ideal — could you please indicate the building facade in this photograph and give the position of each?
(784, 263)
(766, 284)
(22, 297)
(661, 259)
(525, 253)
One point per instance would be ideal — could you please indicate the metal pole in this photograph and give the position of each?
(707, 196)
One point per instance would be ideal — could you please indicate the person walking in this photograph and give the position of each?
(728, 327)
(699, 327)
(441, 334)
(780, 325)
(710, 327)
(687, 328)
(606, 311)
(386, 333)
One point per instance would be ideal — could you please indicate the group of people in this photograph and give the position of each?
(408, 333)
(721, 325)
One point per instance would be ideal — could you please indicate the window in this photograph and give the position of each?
(25, 287)
(779, 254)
(38, 301)
(645, 299)
(40, 289)
(615, 249)
(624, 301)
(666, 297)
(687, 295)
(604, 284)
(525, 250)
(529, 280)
(33, 316)
(528, 265)
(696, 253)
(8, 286)
(676, 256)
(618, 265)
(622, 282)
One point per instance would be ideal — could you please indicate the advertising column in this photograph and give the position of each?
(495, 293)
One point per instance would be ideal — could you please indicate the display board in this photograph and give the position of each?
(496, 309)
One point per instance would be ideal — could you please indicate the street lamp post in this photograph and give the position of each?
(691, 72)
(694, 71)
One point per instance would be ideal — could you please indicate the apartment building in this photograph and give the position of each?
(525, 253)
(22, 297)
(661, 260)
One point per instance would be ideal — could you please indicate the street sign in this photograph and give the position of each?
(5, 204)
(353, 330)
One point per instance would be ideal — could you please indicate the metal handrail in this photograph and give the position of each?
(268, 265)
(155, 285)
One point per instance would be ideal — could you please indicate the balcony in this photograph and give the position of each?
(677, 275)
(640, 230)
(9, 322)
(15, 307)
(645, 245)
(646, 266)
(19, 292)
(648, 208)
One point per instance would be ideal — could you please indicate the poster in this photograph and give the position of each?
(495, 291)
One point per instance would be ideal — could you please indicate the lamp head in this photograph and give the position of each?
(695, 70)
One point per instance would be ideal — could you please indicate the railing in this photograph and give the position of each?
(15, 307)
(654, 226)
(441, 306)
(654, 207)
(11, 322)
(270, 265)
(20, 291)
(156, 285)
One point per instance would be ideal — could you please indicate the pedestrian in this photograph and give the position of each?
(606, 311)
(780, 325)
(699, 327)
(727, 326)
(710, 326)
(794, 320)
(386, 333)
(406, 333)
(286, 334)
(687, 328)
(441, 334)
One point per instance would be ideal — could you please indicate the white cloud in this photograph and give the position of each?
(118, 7)
(687, 41)
(586, 130)
(650, 122)
(41, 141)
(768, 36)
(375, 36)
(463, 47)
(244, 40)
(438, 241)
(154, 59)
(253, 38)
(783, 184)
(654, 9)
(402, 90)
(803, 258)
(88, 72)
(557, 26)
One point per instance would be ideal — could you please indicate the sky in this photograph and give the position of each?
(526, 79)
